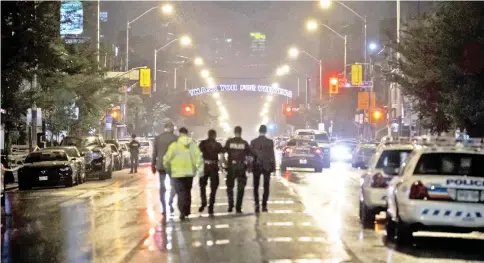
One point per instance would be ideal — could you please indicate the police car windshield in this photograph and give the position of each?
(302, 143)
(465, 164)
(392, 159)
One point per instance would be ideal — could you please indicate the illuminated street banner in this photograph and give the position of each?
(236, 87)
(71, 15)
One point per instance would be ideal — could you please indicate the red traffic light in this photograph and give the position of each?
(188, 109)
(333, 85)
(287, 110)
(377, 115)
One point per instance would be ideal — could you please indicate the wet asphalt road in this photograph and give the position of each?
(312, 218)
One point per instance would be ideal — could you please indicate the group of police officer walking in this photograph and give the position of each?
(180, 158)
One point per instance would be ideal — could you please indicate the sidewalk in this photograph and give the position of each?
(286, 234)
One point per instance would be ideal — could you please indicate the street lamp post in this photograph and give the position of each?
(294, 52)
(326, 3)
(167, 9)
(184, 41)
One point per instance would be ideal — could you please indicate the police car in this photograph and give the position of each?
(440, 188)
(383, 166)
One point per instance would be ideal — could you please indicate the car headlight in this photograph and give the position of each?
(96, 155)
(65, 169)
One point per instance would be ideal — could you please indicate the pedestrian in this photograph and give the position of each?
(161, 144)
(182, 160)
(238, 150)
(134, 152)
(210, 149)
(264, 164)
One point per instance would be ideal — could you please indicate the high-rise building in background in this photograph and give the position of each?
(258, 46)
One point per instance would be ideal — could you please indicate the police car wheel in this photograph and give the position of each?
(318, 169)
(404, 234)
(390, 228)
(367, 217)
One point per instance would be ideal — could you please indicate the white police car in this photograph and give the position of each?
(440, 188)
(383, 166)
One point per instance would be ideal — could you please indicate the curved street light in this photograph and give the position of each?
(166, 9)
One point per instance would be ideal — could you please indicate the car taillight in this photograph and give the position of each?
(418, 191)
(378, 181)
(286, 150)
(316, 150)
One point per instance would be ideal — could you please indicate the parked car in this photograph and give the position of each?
(117, 157)
(49, 167)
(97, 154)
(78, 157)
(145, 151)
(362, 155)
(125, 153)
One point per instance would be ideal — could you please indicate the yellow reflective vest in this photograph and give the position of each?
(183, 158)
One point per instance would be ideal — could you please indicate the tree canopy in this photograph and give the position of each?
(441, 68)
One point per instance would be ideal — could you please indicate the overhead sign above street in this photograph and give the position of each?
(237, 87)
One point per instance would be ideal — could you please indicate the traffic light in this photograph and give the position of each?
(188, 109)
(377, 115)
(287, 109)
(116, 114)
(333, 85)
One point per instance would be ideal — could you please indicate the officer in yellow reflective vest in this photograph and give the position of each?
(182, 161)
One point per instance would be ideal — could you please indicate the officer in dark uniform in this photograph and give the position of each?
(238, 151)
(134, 151)
(264, 164)
(210, 149)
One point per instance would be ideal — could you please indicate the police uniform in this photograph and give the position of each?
(134, 151)
(210, 149)
(237, 150)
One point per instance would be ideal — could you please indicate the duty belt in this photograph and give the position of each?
(210, 162)
(237, 162)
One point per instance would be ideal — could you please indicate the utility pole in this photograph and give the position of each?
(98, 29)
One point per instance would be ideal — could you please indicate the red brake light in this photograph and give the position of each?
(286, 150)
(378, 181)
(317, 150)
(418, 191)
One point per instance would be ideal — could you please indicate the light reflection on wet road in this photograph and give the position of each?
(312, 218)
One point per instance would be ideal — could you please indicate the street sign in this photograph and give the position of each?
(145, 78)
(356, 74)
(146, 90)
(363, 100)
(109, 126)
(109, 118)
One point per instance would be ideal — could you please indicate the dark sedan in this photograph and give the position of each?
(302, 154)
(48, 167)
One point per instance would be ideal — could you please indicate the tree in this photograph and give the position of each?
(441, 67)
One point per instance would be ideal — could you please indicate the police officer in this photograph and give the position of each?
(161, 144)
(134, 151)
(210, 149)
(238, 150)
(264, 164)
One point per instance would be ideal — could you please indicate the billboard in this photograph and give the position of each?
(72, 18)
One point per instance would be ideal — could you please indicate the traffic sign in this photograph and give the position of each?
(356, 74)
(363, 100)
(145, 77)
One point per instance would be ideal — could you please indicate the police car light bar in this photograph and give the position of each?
(388, 140)
(474, 143)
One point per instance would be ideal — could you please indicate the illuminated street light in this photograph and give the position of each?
(210, 81)
(265, 120)
(218, 102)
(275, 85)
(279, 72)
(311, 25)
(216, 95)
(269, 98)
(373, 46)
(167, 9)
(185, 41)
(205, 73)
(198, 61)
(325, 3)
(293, 52)
(285, 69)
